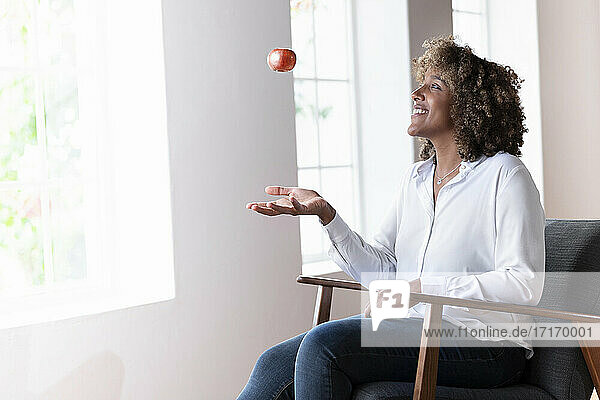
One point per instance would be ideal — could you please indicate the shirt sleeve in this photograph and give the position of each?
(518, 276)
(355, 256)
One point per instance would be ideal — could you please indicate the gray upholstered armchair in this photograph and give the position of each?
(553, 373)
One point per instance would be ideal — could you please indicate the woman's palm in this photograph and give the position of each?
(299, 201)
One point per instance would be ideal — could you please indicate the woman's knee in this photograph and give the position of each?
(331, 338)
(273, 373)
(268, 359)
(280, 356)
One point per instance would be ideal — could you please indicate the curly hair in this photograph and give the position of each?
(485, 108)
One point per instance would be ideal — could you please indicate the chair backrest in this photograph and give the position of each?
(571, 246)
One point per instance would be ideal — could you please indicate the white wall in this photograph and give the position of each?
(569, 51)
(231, 127)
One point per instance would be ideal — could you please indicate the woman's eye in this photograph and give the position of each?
(435, 86)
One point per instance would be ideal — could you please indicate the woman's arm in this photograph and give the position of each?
(354, 255)
(519, 262)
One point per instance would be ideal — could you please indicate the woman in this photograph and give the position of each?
(466, 222)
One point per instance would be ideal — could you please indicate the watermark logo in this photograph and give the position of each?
(389, 299)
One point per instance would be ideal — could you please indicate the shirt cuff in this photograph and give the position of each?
(435, 285)
(337, 229)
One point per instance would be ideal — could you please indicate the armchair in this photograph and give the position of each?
(553, 373)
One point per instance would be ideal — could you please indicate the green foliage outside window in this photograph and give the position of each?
(41, 187)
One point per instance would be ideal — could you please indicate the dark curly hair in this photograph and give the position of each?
(485, 108)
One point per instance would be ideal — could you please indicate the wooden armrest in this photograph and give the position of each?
(505, 307)
(330, 282)
(453, 301)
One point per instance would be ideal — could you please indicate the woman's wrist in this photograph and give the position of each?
(327, 214)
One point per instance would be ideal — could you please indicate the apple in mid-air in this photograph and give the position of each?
(281, 60)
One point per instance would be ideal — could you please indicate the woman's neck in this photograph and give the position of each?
(447, 159)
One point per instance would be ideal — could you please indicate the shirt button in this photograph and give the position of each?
(462, 167)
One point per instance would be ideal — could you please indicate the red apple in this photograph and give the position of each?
(281, 60)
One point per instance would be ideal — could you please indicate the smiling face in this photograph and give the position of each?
(431, 108)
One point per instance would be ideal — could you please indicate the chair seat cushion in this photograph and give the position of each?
(404, 391)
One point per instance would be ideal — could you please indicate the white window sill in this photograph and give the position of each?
(75, 300)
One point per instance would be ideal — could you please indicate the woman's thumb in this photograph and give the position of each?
(296, 204)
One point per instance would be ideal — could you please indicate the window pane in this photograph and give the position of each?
(16, 33)
(68, 234)
(311, 233)
(334, 123)
(306, 126)
(21, 246)
(470, 30)
(19, 157)
(303, 38)
(57, 32)
(331, 39)
(309, 179)
(63, 138)
(467, 5)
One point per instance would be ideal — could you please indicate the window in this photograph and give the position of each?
(84, 183)
(43, 173)
(325, 118)
(470, 24)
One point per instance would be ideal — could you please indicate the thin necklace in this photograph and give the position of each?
(439, 181)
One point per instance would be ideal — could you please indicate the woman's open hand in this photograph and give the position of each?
(298, 201)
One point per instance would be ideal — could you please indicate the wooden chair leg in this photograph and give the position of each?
(592, 359)
(323, 305)
(428, 355)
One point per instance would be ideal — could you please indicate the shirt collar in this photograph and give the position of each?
(464, 165)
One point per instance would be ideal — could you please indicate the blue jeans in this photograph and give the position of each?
(328, 361)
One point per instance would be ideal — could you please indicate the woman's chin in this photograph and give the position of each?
(412, 132)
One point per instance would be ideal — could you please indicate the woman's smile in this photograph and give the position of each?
(417, 112)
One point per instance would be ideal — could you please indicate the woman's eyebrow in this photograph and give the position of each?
(439, 79)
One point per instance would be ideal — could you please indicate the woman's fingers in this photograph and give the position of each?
(272, 208)
(264, 210)
(256, 203)
(278, 190)
(259, 206)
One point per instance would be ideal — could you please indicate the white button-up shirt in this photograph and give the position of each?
(483, 239)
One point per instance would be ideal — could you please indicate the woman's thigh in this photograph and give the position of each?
(473, 367)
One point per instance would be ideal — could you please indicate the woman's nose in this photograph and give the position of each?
(416, 94)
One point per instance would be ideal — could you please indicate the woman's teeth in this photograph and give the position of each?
(420, 111)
